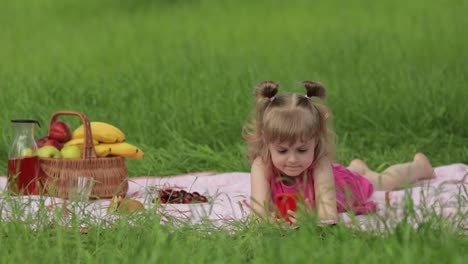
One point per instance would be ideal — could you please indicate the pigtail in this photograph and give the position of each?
(326, 145)
(265, 93)
(266, 89)
(314, 89)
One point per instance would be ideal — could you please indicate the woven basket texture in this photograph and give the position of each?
(109, 174)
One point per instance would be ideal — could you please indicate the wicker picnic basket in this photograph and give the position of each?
(108, 173)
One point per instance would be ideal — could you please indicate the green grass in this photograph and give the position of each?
(177, 78)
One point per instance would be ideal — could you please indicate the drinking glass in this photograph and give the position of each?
(80, 188)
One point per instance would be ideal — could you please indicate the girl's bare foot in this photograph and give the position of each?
(358, 166)
(422, 163)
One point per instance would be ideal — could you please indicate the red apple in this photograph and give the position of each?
(40, 142)
(60, 131)
(54, 143)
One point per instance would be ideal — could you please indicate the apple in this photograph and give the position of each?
(53, 143)
(49, 152)
(71, 152)
(40, 142)
(27, 152)
(60, 131)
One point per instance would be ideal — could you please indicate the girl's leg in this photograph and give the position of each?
(396, 176)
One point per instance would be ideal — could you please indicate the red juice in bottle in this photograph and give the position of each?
(23, 175)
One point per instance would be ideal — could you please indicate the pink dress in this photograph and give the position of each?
(352, 190)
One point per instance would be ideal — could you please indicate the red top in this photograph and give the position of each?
(352, 190)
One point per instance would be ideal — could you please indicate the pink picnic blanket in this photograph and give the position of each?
(445, 196)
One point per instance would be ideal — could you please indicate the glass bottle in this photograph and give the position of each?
(23, 162)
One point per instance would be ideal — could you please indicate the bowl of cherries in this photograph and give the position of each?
(173, 196)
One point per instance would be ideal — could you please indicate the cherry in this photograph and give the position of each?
(168, 195)
(174, 194)
(187, 199)
(166, 192)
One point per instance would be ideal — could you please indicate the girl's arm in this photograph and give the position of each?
(260, 187)
(325, 195)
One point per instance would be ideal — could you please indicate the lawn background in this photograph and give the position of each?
(177, 77)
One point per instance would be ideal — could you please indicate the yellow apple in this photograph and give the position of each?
(49, 152)
(71, 152)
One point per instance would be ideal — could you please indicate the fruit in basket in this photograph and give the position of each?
(47, 141)
(78, 142)
(48, 152)
(60, 131)
(71, 152)
(102, 132)
(53, 143)
(40, 142)
(123, 149)
(102, 151)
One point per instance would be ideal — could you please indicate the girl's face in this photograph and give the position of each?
(292, 160)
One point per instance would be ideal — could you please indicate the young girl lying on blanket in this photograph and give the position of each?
(291, 149)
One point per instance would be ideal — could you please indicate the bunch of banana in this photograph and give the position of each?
(108, 140)
(119, 149)
(102, 132)
(79, 142)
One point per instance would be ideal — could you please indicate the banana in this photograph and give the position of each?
(78, 142)
(102, 132)
(102, 150)
(106, 126)
(123, 149)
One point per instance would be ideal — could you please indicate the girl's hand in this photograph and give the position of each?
(290, 220)
(292, 216)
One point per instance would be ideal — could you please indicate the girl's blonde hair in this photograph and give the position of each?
(288, 117)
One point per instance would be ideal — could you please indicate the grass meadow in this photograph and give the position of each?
(177, 77)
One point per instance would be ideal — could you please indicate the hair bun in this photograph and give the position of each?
(314, 89)
(266, 89)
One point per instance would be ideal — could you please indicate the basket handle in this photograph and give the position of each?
(88, 151)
